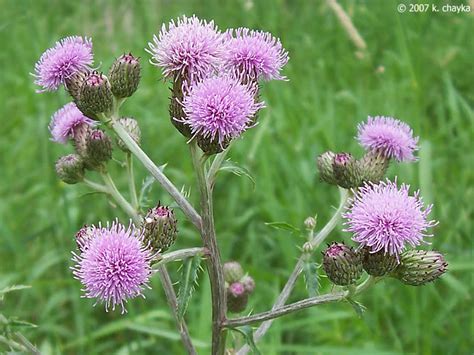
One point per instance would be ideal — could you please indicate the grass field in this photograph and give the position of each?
(418, 68)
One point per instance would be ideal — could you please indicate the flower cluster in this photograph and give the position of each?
(215, 76)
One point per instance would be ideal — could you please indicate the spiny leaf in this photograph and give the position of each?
(11, 289)
(232, 167)
(145, 190)
(189, 276)
(311, 277)
(359, 308)
(247, 332)
(284, 226)
(12, 322)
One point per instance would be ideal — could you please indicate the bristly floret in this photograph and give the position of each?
(385, 217)
(189, 48)
(70, 55)
(388, 136)
(220, 108)
(65, 121)
(253, 55)
(114, 266)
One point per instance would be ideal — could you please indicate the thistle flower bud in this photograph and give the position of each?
(83, 237)
(237, 297)
(81, 132)
(98, 149)
(74, 83)
(211, 147)
(418, 267)
(310, 223)
(324, 164)
(177, 115)
(95, 96)
(373, 166)
(249, 284)
(342, 264)
(379, 263)
(124, 76)
(159, 228)
(132, 128)
(346, 170)
(70, 169)
(233, 271)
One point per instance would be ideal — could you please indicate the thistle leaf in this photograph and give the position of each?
(283, 226)
(232, 167)
(359, 308)
(189, 277)
(247, 332)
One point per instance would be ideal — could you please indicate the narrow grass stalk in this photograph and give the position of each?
(214, 264)
(290, 284)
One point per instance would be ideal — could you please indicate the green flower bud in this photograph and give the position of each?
(346, 170)
(124, 76)
(233, 271)
(98, 149)
(373, 166)
(95, 96)
(418, 267)
(326, 171)
(131, 126)
(342, 264)
(176, 109)
(379, 263)
(310, 223)
(70, 169)
(160, 228)
(249, 284)
(212, 147)
(237, 297)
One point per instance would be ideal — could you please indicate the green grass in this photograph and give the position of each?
(426, 81)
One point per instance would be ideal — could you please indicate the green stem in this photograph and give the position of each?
(118, 197)
(131, 182)
(97, 187)
(178, 255)
(214, 264)
(216, 164)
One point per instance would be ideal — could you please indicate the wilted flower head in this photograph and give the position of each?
(385, 217)
(389, 136)
(114, 265)
(65, 121)
(254, 54)
(220, 107)
(191, 48)
(69, 56)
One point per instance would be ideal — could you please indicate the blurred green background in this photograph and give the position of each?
(418, 67)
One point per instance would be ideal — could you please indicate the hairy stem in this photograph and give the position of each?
(178, 255)
(118, 197)
(182, 202)
(296, 306)
(290, 284)
(214, 264)
(95, 186)
(131, 182)
(216, 164)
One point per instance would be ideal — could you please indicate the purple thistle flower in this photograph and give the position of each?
(389, 136)
(65, 121)
(220, 107)
(190, 48)
(385, 217)
(254, 55)
(69, 56)
(114, 264)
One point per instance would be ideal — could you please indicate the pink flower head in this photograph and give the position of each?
(389, 136)
(65, 121)
(69, 56)
(220, 107)
(190, 48)
(254, 55)
(114, 265)
(385, 217)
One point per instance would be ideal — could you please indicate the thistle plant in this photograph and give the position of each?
(215, 79)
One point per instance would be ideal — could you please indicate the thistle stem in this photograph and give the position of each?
(95, 186)
(216, 164)
(131, 182)
(290, 284)
(296, 306)
(214, 264)
(118, 197)
(178, 255)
